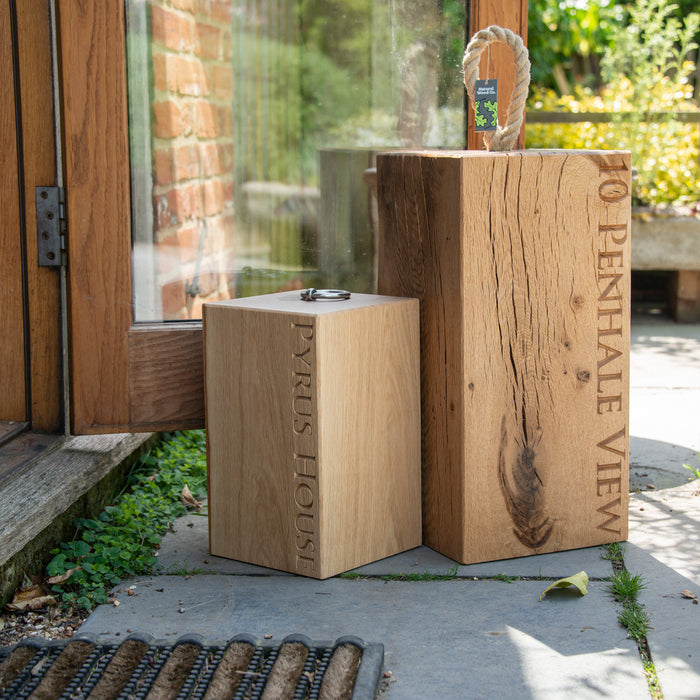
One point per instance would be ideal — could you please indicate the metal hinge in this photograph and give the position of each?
(51, 226)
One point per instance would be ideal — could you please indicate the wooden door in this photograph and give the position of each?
(124, 376)
(30, 322)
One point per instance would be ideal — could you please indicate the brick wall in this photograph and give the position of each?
(192, 152)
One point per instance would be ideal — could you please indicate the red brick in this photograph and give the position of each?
(213, 197)
(187, 76)
(226, 156)
(228, 194)
(221, 11)
(207, 41)
(162, 172)
(160, 77)
(206, 120)
(203, 7)
(223, 81)
(173, 298)
(186, 5)
(185, 163)
(168, 120)
(170, 29)
(188, 202)
(164, 211)
(209, 159)
(188, 118)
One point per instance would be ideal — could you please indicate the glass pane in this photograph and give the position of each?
(254, 125)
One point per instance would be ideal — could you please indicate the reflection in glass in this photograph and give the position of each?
(254, 125)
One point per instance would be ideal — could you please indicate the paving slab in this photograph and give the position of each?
(186, 550)
(443, 639)
(664, 546)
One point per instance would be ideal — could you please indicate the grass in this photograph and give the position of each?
(694, 471)
(122, 541)
(625, 588)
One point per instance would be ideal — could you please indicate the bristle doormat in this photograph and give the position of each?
(140, 667)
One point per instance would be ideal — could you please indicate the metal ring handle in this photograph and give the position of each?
(312, 294)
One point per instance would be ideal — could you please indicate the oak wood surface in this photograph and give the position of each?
(313, 429)
(124, 376)
(521, 264)
(98, 208)
(497, 62)
(12, 368)
(166, 376)
(39, 164)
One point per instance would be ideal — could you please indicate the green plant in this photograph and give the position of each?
(635, 620)
(694, 471)
(613, 552)
(121, 541)
(625, 586)
(505, 578)
(647, 82)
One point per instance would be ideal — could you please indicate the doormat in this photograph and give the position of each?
(140, 667)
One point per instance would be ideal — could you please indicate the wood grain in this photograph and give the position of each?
(39, 162)
(313, 429)
(509, 15)
(12, 368)
(521, 264)
(166, 376)
(96, 168)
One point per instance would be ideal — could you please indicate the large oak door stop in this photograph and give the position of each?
(313, 429)
(521, 263)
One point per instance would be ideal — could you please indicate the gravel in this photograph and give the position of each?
(53, 623)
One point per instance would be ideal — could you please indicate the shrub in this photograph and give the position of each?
(647, 78)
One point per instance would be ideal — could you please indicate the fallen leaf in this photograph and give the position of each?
(32, 604)
(188, 500)
(689, 594)
(115, 602)
(579, 580)
(28, 593)
(62, 578)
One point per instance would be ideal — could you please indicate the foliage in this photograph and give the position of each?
(694, 471)
(625, 586)
(647, 78)
(635, 620)
(664, 153)
(288, 98)
(566, 39)
(122, 540)
(613, 552)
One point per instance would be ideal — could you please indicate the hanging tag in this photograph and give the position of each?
(486, 105)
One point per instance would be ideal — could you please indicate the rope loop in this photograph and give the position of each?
(504, 138)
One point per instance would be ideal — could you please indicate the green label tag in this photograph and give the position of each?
(486, 105)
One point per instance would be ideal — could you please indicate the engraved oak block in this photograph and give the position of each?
(313, 430)
(521, 263)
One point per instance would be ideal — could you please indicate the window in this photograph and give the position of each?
(252, 125)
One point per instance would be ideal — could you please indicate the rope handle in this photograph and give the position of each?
(504, 138)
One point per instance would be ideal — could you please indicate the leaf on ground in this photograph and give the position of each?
(689, 594)
(188, 500)
(31, 604)
(62, 578)
(579, 580)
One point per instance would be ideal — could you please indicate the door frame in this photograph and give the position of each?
(124, 376)
(31, 318)
(128, 376)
